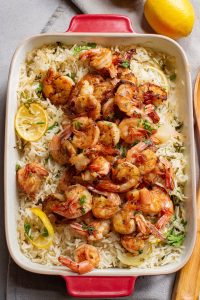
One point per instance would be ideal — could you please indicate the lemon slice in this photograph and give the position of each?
(158, 77)
(31, 122)
(43, 242)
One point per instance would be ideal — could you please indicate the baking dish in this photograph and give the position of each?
(107, 30)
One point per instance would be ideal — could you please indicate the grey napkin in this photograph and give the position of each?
(22, 285)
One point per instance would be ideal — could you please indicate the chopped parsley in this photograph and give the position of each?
(83, 210)
(179, 126)
(122, 149)
(147, 126)
(89, 228)
(72, 76)
(174, 238)
(40, 123)
(17, 167)
(125, 64)
(77, 124)
(140, 251)
(87, 46)
(38, 90)
(27, 229)
(45, 232)
(135, 143)
(52, 126)
(82, 200)
(172, 77)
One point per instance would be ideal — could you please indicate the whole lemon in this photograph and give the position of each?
(174, 18)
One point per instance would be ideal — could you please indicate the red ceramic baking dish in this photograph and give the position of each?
(107, 30)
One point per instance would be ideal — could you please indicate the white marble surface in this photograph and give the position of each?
(18, 20)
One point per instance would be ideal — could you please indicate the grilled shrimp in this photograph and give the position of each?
(162, 174)
(123, 222)
(60, 148)
(65, 180)
(126, 176)
(105, 205)
(86, 259)
(144, 159)
(80, 161)
(151, 93)
(100, 166)
(156, 202)
(56, 87)
(100, 59)
(133, 243)
(30, 178)
(127, 75)
(78, 202)
(100, 149)
(109, 133)
(132, 130)
(83, 102)
(49, 202)
(86, 132)
(126, 99)
(103, 90)
(108, 109)
(94, 231)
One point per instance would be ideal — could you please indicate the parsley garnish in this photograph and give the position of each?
(147, 126)
(52, 126)
(83, 210)
(38, 90)
(27, 229)
(45, 232)
(40, 123)
(172, 77)
(89, 228)
(140, 251)
(80, 48)
(77, 124)
(72, 76)
(82, 200)
(17, 167)
(125, 64)
(122, 149)
(175, 239)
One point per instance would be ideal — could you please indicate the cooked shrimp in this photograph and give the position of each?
(100, 166)
(156, 202)
(50, 201)
(78, 202)
(86, 259)
(149, 110)
(100, 59)
(83, 102)
(94, 231)
(60, 148)
(145, 160)
(123, 222)
(109, 133)
(127, 75)
(86, 132)
(66, 179)
(105, 205)
(103, 90)
(132, 130)
(80, 161)
(101, 149)
(162, 174)
(169, 182)
(126, 99)
(133, 243)
(125, 174)
(56, 87)
(30, 178)
(151, 93)
(108, 109)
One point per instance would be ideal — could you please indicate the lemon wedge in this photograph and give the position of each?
(42, 241)
(31, 122)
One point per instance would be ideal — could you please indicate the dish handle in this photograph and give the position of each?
(99, 287)
(100, 23)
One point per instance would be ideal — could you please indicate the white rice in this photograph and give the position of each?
(62, 59)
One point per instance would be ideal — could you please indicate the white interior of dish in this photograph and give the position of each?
(184, 94)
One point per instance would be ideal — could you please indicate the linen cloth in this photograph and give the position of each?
(22, 285)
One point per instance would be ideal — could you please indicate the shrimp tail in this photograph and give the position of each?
(81, 268)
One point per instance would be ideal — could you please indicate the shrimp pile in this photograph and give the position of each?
(113, 180)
